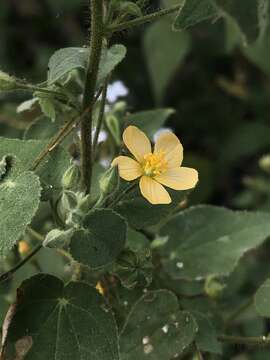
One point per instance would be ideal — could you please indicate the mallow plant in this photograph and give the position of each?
(140, 274)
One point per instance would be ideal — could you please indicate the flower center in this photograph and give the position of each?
(154, 164)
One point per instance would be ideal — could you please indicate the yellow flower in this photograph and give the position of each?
(157, 168)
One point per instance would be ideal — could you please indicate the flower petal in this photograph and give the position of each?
(173, 149)
(129, 169)
(181, 178)
(137, 142)
(153, 191)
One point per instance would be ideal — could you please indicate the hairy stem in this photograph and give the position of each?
(242, 340)
(143, 19)
(89, 90)
(100, 117)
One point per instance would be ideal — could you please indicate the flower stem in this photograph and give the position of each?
(12, 271)
(242, 340)
(89, 90)
(143, 19)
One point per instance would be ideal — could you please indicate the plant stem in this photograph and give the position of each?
(12, 271)
(100, 117)
(89, 90)
(143, 19)
(242, 340)
(60, 136)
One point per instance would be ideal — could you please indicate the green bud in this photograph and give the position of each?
(264, 163)
(113, 125)
(58, 238)
(130, 8)
(7, 82)
(213, 288)
(109, 181)
(71, 178)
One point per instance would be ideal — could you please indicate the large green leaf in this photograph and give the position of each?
(208, 240)
(141, 214)
(262, 299)
(193, 12)
(156, 329)
(165, 50)
(101, 239)
(50, 170)
(149, 121)
(65, 322)
(65, 60)
(19, 200)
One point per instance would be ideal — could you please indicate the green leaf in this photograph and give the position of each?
(262, 299)
(65, 322)
(156, 329)
(101, 239)
(19, 200)
(47, 105)
(50, 170)
(65, 60)
(197, 235)
(206, 338)
(134, 268)
(165, 51)
(193, 12)
(149, 121)
(245, 15)
(141, 214)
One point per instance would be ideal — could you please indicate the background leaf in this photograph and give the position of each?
(262, 299)
(165, 51)
(197, 235)
(65, 322)
(149, 121)
(156, 329)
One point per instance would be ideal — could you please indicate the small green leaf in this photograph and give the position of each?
(101, 239)
(156, 329)
(193, 12)
(149, 121)
(262, 299)
(197, 235)
(65, 322)
(47, 105)
(65, 60)
(19, 200)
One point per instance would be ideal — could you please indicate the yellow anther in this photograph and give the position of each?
(154, 164)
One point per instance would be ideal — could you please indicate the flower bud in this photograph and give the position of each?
(113, 125)
(57, 238)
(264, 163)
(71, 178)
(109, 181)
(213, 288)
(7, 82)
